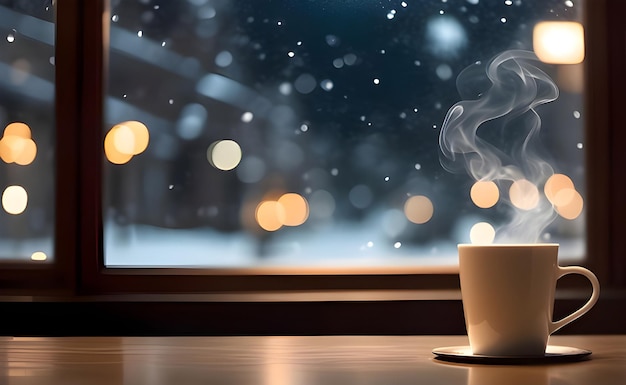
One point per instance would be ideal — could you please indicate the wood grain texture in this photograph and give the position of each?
(282, 360)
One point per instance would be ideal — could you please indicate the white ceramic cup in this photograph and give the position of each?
(508, 297)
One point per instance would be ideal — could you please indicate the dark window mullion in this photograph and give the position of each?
(93, 24)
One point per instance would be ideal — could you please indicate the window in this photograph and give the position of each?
(105, 206)
(306, 134)
(27, 139)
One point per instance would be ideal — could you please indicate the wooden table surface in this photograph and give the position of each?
(327, 360)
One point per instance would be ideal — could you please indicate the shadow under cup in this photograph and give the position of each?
(508, 296)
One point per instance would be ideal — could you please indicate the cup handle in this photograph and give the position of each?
(595, 294)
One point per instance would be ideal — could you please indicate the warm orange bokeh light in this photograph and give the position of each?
(572, 204)
(296, 209)
(18, 129)
(418, 209)
(110, 150)
(559, 42)
(125, 140)
(16, 145)
(141, 135)
(270, 215)
(485, 194)
(524, 194)
(11, 147)
(556, 183)
(290, 209)
(28, 153)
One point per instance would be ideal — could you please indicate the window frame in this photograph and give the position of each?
(81, 54)
(98, 278)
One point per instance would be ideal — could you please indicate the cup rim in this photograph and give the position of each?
(506, 245)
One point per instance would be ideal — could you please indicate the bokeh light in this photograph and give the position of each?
(572, 204)
(11, 147)
(559, 42)
(482, 233)
(524, 194)
(141, 135)
(555, 184)
(18, 129)
(224, 154)
(560, 191)
(418, 209)
(295, 207)
(14, 200)
(113, 155)
(289, 209)
(564, 197)
(16, 145)
(38, 256)
(27, 154)
(485, 194)
(126, 140)
(270, 215)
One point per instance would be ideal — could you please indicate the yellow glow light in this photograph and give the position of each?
(524, 195)
(296, 209)
(270, 215)
(18, 129)
(224, 154)
(17, 145)
(564, 197)
(14, 200)
(111, 151)
(572, 205)
(28, 153)
(482, 233)
(124, 140)
(11, 147)
(141, 135)
(555, 184)
(485, 194)
(38, 256)
(418, 209)
(559, 42)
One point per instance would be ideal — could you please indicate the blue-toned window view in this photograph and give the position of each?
(320, 133)
(27, 131)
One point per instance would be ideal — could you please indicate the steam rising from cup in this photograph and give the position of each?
(492, 134)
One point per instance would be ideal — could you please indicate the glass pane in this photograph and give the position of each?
(27, 137)
(311, 133)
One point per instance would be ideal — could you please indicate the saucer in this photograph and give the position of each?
(553, 354)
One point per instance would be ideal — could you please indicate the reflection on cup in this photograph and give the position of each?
(508, 297)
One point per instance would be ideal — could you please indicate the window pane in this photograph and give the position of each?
(27, 124)
(311, 133)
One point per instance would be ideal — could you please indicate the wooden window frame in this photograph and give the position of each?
(77, 295)
(79, 269)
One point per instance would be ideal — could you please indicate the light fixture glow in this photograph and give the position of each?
(559, 42)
